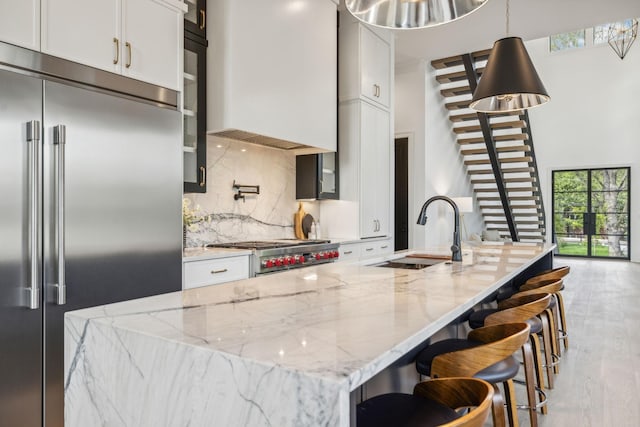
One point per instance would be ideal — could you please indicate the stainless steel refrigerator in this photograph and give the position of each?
(90, 200)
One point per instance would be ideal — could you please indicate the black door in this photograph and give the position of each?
(401, 231)
(591, 212)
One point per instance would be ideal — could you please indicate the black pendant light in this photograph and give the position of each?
(509, 81)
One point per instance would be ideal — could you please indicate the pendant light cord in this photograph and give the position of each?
(507, 20)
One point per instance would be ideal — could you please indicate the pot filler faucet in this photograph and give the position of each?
(456, 253)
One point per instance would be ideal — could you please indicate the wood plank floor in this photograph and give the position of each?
(599, 380)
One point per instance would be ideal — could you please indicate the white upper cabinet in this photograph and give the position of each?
(87, 32)
(271, 69)
(365, 64)
(151, 31)
(20, 23)
(375, 62)
(136, 38)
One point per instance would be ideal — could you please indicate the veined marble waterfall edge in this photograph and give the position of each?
(175, 384)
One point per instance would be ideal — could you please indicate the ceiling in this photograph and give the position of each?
(529, 19)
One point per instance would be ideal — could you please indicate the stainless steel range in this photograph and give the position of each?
(271, 256)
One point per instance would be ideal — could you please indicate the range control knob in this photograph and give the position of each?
(336, 254)
(318, 256)
(325, 255)
(302, 259)
(279, 262)
(268, 263)
(285, 261)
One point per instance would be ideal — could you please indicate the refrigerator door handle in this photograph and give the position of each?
(59, 140)
(35, 219)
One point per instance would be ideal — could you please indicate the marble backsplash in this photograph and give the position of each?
(268, 215)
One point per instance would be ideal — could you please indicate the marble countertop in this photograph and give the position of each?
(342, 322)
(200, 253)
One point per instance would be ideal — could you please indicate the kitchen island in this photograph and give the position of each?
(286, 349)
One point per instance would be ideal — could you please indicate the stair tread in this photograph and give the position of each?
(456, 76)
(508, 149)
(525, 159)
(489, 181)
(519, 222)
(509, 190)
(456, 91)
(458, 105)
(497, 138)
(514, 124)
(474, 115)
(452, 61)
(520, 230)
(512, 206)
(504, 171)
(492, 198)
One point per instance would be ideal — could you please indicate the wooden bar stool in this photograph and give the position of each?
(561, 323)
(557, 273)
(549, 287)
(433, 403)
(525, 309)
(486, 353)
(553, 274)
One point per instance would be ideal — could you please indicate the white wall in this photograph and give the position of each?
(409, 122)
(435, 164)
(592, 120)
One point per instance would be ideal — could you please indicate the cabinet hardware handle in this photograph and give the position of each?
(368, 249)
(224, 270)
(384, 247)
(35, 215)
(378, 91)
(128, 64)
(59, 140)
(348, 252)
(203, 174)
(203, 19)
(117, 43)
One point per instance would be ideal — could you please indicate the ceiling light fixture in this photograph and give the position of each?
(509, 81)
(410, 14)
(622, 35)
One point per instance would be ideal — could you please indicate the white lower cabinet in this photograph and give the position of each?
(376, 248)
(350, 252)
(365, 249)
(215, 271)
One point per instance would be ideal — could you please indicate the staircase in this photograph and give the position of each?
(497, 150)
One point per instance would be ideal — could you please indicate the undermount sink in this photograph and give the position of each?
(413, 262)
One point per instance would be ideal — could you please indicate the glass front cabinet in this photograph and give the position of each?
(195, 113)
(317, 176)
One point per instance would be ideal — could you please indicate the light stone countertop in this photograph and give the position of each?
(199, 254)
(281, 349)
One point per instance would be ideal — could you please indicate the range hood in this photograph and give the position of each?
(272, 73)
